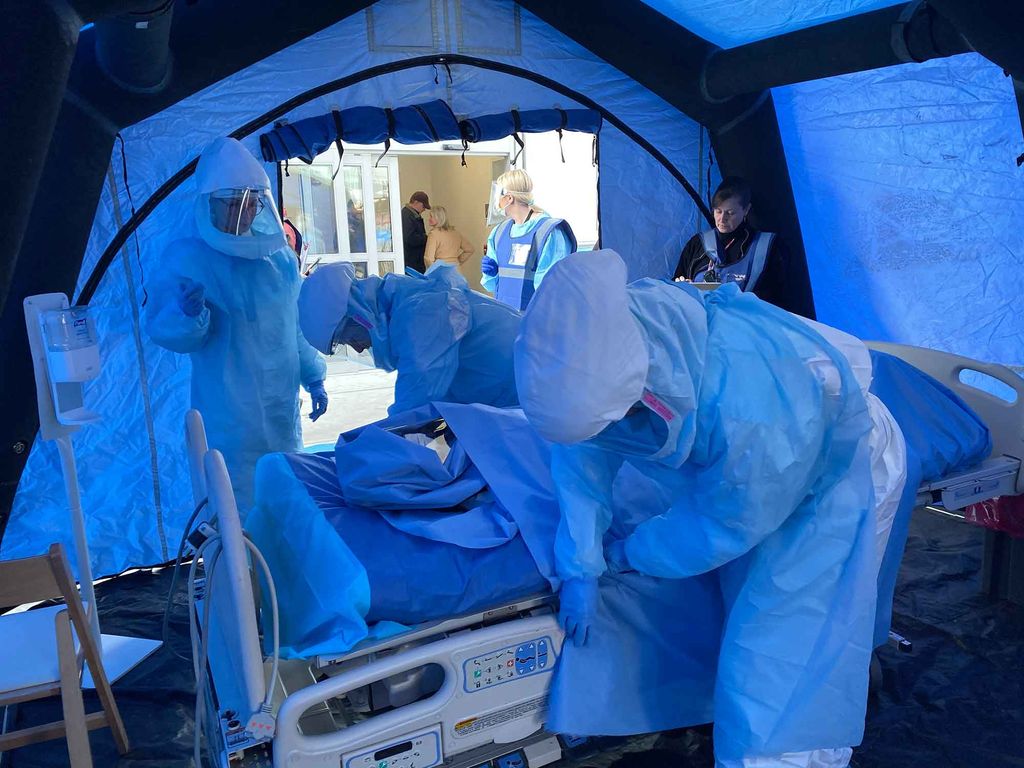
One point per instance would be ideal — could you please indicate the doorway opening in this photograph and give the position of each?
(353, 213)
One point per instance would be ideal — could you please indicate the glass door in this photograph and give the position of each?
(355, 217)
(308, 201)
(372, 213)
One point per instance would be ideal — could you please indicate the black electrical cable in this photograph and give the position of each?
(165, 627)
(131, 205)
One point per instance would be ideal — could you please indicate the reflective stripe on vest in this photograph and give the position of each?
(517, 258)
(747, 271)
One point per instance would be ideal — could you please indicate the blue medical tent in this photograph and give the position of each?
(883, 141)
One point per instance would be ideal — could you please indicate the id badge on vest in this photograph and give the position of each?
(520, 254)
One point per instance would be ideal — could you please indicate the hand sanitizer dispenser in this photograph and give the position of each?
(70, 347)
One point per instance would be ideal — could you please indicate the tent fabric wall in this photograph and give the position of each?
(911, 204)
(132, 465)
(730, 23)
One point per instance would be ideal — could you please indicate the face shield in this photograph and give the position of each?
(352, 343)
(495, 213)
(240, 222)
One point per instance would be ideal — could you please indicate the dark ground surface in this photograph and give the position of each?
(957, 700)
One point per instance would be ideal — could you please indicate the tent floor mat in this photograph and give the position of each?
(956, 700)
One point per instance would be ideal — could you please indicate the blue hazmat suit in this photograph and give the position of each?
(447, 342)
(228, 300)
(762, 448)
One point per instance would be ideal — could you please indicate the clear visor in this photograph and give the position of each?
(352, 343)
(243, 212)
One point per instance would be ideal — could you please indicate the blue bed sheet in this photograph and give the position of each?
(454, 579)
(346, 572)
(943, 436)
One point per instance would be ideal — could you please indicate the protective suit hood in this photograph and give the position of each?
(674, 327)
(323, 304)
(580, 358)
(227, 169)
(369, 304)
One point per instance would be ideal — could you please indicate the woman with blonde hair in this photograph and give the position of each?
(444, 242)
(525, 246)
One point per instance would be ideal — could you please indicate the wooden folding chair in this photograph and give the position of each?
(40, 656)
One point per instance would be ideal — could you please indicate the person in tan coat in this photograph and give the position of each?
(445, 243)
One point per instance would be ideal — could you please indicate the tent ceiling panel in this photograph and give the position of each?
(728, 23)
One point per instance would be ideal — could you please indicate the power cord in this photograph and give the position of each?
(165, 627)
(261, 723)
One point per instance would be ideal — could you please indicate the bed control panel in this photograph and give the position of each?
(506, 664)
(421, 749)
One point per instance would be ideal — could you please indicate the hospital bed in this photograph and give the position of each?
(468, 691)
(998, 475)
(464, 692)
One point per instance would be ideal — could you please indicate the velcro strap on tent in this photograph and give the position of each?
(517, 127)
(559, 129)
(336, 115)
(389, 114)
(419, 124)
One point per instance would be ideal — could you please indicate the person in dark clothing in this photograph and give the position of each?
(414, 232)
(734, 251)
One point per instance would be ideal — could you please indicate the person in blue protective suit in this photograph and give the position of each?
(521, 249)
(228, 299)
(447, 342)
(757, 430)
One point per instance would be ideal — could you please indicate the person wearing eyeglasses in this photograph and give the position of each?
(227, 297)
(735, 252)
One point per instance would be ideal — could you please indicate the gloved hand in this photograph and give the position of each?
(615, 557)
(489, 266)
(191, 297)
(319, 396)
(577, 609)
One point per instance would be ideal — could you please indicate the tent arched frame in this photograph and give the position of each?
(338, 84)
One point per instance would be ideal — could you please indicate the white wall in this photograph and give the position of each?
(565, 190)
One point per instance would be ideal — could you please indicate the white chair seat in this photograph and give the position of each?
(28, 647)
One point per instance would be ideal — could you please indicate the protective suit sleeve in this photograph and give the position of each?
(583, 476)
(426, 328)
(163, 318)
(312, 366)
(758, 464)
(555, 249)
(490, 282)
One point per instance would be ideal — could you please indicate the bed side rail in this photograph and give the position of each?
(1005, 420)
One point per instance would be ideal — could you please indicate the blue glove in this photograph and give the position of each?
(319, 396)
(577, 609)
(489, 266)
(615, 557)
(191, 297)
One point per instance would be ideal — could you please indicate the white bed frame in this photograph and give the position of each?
(1000, 474)
(476, 685)
(458, 724)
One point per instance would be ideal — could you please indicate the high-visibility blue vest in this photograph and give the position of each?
(746, 271)
(517, 258)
